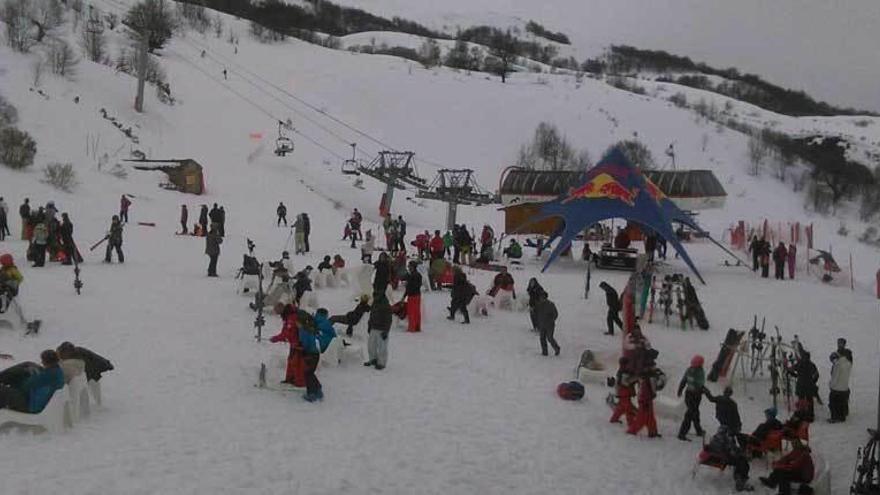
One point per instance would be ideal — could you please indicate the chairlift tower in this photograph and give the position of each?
(396, 169)
(456, 187)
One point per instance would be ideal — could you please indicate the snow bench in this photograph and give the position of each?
(670, 407)
(586, 375)
(77, 398)
(53, 417)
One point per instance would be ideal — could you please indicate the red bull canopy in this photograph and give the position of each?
(615, 188)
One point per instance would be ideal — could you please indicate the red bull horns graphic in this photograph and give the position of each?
(604, 186)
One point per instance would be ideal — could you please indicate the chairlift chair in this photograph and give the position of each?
(350, 167)
(283, 145)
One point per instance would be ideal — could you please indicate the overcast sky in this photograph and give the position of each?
(829, 48)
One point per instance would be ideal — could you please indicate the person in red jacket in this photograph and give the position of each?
(625, 387)
(295, 374)
(421, 243)
(124, 204)
(794, 467)
(645, 416)
(437, 246)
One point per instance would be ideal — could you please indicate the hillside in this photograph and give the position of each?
(459, 409)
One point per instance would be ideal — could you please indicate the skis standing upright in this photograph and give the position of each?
(652, 300)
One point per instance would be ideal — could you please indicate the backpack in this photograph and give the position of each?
(570, 391)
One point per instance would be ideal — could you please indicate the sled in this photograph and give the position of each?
(147, 224)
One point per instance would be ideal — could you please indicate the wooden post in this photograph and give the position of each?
(852, 282)
(142, 72)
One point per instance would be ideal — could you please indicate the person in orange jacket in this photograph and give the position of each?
(794, 467)
(295, 373)
(645, 416)
(625, 387)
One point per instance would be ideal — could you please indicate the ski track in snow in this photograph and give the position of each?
(460, 409)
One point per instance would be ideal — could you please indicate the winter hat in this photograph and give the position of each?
(6, 260)
(697, 361)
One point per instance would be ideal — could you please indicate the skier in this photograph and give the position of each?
(4, 220)
(625, 388)
(33, 393)
(67, 243)
(203, 220)
(378, 328)
(367, 248)
(806, 382)
(792, 260)
(24, 211)
(38, 244)
(299, 236)
(295, 373)
(645, 416)
(725, 448)
(838, 395)
(726, 410)
(755, 248)
(184, 218)
(224, 74)
(462, 294)
(780, 255)
(308, 338)
(307, 230)
(693, 384)
(545, 318)
(114, 241)
(795, 467)
(214, 214)
(613, 301)
(281, 211)
(535, 292)
(354, 316)
(356, 221)
(212, 249)
(124, 204)
(413, 295)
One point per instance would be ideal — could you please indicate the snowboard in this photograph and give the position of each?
(725, 355)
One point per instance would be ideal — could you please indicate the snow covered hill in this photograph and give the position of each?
(459, 409)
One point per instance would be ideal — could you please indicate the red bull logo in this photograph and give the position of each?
(604, 186)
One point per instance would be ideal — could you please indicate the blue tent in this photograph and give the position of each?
(614, 188)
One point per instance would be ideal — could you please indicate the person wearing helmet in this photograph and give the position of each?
(693, 384)
(10, 277)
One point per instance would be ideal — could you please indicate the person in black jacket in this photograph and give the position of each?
(535, 292)
(281, 211)
(614, 307)
(96, 365)
(307, 229)
(806, 385)
(302, 283)
(354, 316)
(545, 317)
(184, 219)
(755, 248)
(413, 281)
(67, 243)
(212, 249)
(379, 328)
(726, 410)
(462, 294)
(114, 241)
(382, 277)
(221, 216)
(24, 211)
(203, 220)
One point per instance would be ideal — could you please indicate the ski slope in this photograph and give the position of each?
(460, 409)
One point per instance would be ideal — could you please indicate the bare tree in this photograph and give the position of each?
(94, 44)
(550, 150)
(16, 14)
(62, 59)
(503, 50)
(758, 153)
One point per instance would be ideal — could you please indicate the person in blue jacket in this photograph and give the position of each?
(326, 332)
(308, 338)
(33, 393)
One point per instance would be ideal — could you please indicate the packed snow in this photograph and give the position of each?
(459, 409)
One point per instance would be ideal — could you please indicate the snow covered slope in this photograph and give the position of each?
(459, 409)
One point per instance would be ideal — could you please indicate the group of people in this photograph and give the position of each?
(215, 217)
(762, 253)
(47, 233)
(302, 228)
(27, 386)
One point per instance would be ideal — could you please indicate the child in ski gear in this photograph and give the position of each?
(281, 211)
(308, 338)
(38, 244)
(780, 255)
(338, 263)
(514, 250)
(463, 293)
(212, 249)
(10, 277)
(614, 307)
(545, 318)
(378, 328)
(325, 264)
(413, 296)
(725, 450)
(625, 388)
(795, 467)
(535, 292)
(295, 373)
(645, 415)
(354, 316)
(33, 392)
(693, 384)
(770, 424)
(838, 395)
(114, 241)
